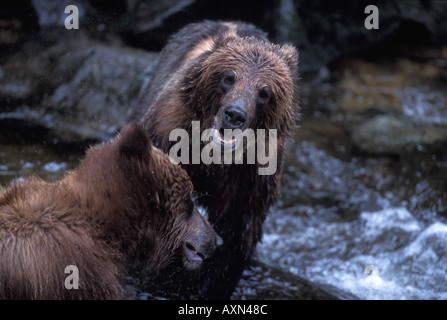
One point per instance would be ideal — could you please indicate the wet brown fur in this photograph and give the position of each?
(126, 203)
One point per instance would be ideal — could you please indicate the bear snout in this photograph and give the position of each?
(230, 121)
(234, 116)
(201, 243)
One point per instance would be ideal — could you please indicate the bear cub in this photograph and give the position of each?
(125, 204)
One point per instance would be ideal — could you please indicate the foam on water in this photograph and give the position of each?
(54, 166)
(424, 104)
(410, 259)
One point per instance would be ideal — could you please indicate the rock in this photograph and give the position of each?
(390, 105)
(52, 13)
(151, 22)
(387, 134)
(17, 86)
(97, 101)
(18, 20)
(367, 87)
(325, 135)
(152, 14)
(325, 31)
(262, 282)
(258, 282)
(397, 85)
(77, 89)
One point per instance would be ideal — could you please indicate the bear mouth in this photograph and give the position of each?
(219, 138)
(192, 257)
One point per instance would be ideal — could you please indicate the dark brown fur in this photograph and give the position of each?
(126, 203)
(187, 86)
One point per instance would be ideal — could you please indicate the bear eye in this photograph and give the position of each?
(264, 96)
(228, 80)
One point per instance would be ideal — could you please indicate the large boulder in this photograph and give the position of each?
(394, 105)
(387, 134)
(325, 31)
(75, 90)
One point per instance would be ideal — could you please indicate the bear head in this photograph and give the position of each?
(162, 194)
(243, 83)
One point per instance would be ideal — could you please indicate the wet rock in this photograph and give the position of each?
(77, 89)
(390, 135)
(325, 135)
(377, 86)
(390, 105)
(150, 14)
(52, 13)
(97, 101)
(94, 16)
(150, 23)
(259, 282)
(262, 282)
(364, 90)
(18, 20)
(18, 86)
(38, 68)
(325, 31)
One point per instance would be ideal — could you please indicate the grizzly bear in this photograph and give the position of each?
(226, 75)
(125, 204)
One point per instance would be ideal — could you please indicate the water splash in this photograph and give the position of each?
(424, 104)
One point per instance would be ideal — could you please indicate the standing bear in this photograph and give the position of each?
(125, 204)
(227, 76)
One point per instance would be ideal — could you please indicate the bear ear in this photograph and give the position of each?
(134, 142)
(291, 55)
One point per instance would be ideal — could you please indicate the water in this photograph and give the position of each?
(424, 104)
(347, 219)
(23, 161)
(410, 259)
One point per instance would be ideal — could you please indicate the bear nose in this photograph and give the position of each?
(234, 117)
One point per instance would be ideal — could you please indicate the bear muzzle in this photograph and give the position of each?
(234, 115)
(231, 120)
(201, 244)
